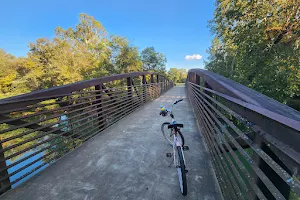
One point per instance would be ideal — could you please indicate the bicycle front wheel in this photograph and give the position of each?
(181, 172)
(167, 133)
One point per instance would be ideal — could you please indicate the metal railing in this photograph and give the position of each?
(255, 150)
(39, 127)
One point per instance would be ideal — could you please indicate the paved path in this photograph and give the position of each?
(128, 162)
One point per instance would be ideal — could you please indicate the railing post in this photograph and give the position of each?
(206, 85)
(153, 91)
(136, 90)
(99, 105)
(193, 78)
(167, 84)
(197, 79)
(5, 184)
(144, 88)
(162, 79)
(152, 78)
(129, 89)
(158, 85)
(274, 177)
(164, 84)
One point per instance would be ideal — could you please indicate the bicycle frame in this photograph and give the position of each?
(176, 144)
(178, 141)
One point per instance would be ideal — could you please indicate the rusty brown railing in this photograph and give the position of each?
(39, 127)
(254, 141)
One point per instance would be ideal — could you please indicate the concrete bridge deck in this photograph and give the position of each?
(128, 161)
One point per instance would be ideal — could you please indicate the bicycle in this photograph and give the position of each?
(177, 144)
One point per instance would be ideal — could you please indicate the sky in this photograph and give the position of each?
(176, 28)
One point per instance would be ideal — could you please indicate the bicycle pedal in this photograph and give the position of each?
(185, 148)
(169, 155)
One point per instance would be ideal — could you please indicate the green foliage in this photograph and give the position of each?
(125, 58)
(9, 74)
(177, 75)
(257, 44)
(74, 54)
(153, 61)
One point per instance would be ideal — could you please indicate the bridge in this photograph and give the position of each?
(101, 139)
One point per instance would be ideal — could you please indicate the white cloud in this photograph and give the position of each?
(193, 57)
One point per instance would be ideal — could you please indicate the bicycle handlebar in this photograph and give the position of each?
(178, 101)
(164, 111)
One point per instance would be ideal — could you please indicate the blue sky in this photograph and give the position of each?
(174, 27)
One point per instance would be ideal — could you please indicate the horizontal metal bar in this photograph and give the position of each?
(218, 153)
(267, 136)
(60, 108)
(275, 192)
(277, 168)
(55, 116)
(103, 129)
(49, 139)
(237, 194)
(284, 152)
(25, 158)
(258, 115)
(108, 126)
(239, 91)
(216, 161)
(227, 185)
(43, 156)
(62, 101)
(44, 134)
(14, 102)
(36, 145)
(43, 149)
(130, 109)
(27, 165)
(228, 146)
(116, 120)
(54, 123)
(252, 181)
(28, 173)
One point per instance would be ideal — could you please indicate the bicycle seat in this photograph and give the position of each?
(175, 126)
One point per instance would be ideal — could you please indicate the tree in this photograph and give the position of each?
(153, 61)
(73, 54)
(177, 75)
(78, 54)
(10, 74)
(257, 44)
(7, 71)
(125, 57)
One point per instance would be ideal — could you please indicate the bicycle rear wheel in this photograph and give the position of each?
(167, 133)
(181, 172)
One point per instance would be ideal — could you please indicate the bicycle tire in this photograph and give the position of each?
(168, 138)
(181, 172)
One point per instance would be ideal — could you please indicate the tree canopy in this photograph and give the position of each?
(177, 75)
(74, 54)
(152, 60)
(257, 43)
